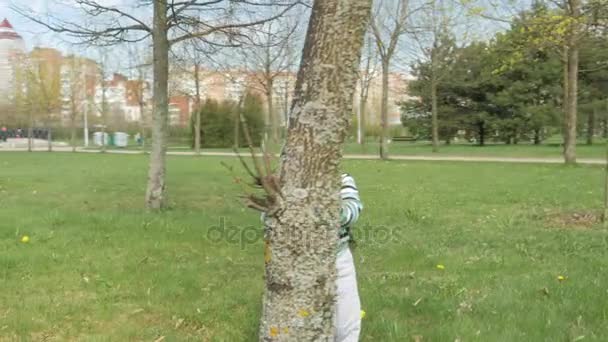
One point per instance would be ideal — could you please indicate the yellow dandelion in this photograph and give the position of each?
(25, 239)
(267, 252)
(362, 314)
(440, 267)
(561, 278)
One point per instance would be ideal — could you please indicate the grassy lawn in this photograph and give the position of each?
(99, 268)
(547, 150)
(597, 150)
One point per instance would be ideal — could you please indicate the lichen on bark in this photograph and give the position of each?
(302, 226)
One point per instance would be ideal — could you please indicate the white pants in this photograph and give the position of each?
(348, 308)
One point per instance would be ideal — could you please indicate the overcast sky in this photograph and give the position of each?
(36, 35)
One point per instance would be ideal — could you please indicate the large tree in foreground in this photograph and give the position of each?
(302, 204)
(171, 22)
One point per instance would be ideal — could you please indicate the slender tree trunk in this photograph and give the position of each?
(73, 132)
(49, 139)
(482, 133)
(384, 111)
(236, 132)
(565, 96)
(362, 120)
(605, 128)
(591, 126)
(302, 225)
(537, 136)
(156, 193)
(271, 124)
(29, 134)
(103, 137)
(571, 113)
(434, 114)
(197, 112)
(605, 213)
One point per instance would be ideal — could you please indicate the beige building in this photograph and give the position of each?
(231, 84)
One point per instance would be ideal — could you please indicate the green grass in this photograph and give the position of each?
(99, 268)
(546, 150)
(551, 150)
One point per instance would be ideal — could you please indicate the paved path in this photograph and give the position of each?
(528, 160)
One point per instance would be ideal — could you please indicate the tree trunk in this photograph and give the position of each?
(73, 132)
(49, 139)
(236, 132)
(565, 95)
(573, 50)
(384, 111)
(362, 119)
(197, 111)
(482, 133)
(605, 213)
(536, 136)
(302, 224)
(605, 128)
(270, 121)
(103, 137)
(591, 126)
(29, 134)
(156, 191)
(434, 114)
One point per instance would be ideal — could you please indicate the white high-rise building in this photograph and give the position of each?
(11, 46)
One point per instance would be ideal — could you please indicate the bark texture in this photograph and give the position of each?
(301, 224)
(572, 88)
(434, 113)
(156, 192)
(591, 126)
(384, 111)
(197, 112)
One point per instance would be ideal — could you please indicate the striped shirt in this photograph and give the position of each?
(349, 211)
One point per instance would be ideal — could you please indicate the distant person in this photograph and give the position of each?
(19, 133)
(138, 139)
(3, 133)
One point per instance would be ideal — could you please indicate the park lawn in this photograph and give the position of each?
(99, 268)
(546, 150)
(423, 148)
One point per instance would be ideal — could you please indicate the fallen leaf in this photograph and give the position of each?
(160, 339)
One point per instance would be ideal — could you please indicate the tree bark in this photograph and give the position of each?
(270, 123)
(197, 111)
(605, 213)
(236, 132)
(302, 223)
(49, 139)
(73, 132)
(565, 95)
(384, 112)
(156, 191)
(591, 126)
(482, 133)
(29, 134)
(571, 104)
(103, 137)
(434, 114)
(536, 136)
(362, 120)
(605, 128)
